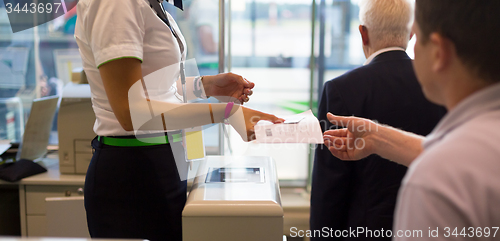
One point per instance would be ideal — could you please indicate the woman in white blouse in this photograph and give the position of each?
(133, 188)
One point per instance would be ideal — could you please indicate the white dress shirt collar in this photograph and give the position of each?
(370, 59)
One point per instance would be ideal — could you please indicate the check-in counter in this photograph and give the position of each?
(234, 198)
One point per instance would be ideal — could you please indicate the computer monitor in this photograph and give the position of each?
(37, 130)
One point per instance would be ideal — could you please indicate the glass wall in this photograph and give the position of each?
(34, 62)
(17, 76)
(289, 48)
(270, 44)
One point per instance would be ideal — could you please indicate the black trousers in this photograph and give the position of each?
(134, 192)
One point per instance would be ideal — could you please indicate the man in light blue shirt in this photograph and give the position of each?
(452, 188)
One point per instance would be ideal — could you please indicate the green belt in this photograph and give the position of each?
(146, 141)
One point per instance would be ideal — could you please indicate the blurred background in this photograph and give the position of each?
(289, 48)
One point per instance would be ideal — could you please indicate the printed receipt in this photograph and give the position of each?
(301, 128)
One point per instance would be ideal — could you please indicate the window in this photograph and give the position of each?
(34, 63)
(272, 43)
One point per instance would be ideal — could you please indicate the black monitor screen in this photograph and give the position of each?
(247, 174)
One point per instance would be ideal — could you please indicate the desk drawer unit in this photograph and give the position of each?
(35, 205)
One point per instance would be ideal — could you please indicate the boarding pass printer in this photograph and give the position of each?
(75, 128)
(234, 198)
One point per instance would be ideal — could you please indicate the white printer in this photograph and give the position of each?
(234, 198)
(75, 129)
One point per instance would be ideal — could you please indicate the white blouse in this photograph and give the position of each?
(107, 30)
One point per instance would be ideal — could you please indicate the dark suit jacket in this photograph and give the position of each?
(363, 193)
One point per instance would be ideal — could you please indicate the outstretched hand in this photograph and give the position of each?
(228, 87)
(352, 143)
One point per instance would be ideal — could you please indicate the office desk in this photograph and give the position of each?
(33, 191)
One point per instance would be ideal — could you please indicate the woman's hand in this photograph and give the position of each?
(254, 116)
(228, 87)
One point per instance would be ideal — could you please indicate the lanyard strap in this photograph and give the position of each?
(177, 3)
(161, 14)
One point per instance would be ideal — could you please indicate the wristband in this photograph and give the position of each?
(197, 87)
(229, 107)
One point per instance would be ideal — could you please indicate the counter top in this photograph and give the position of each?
(51, 177)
